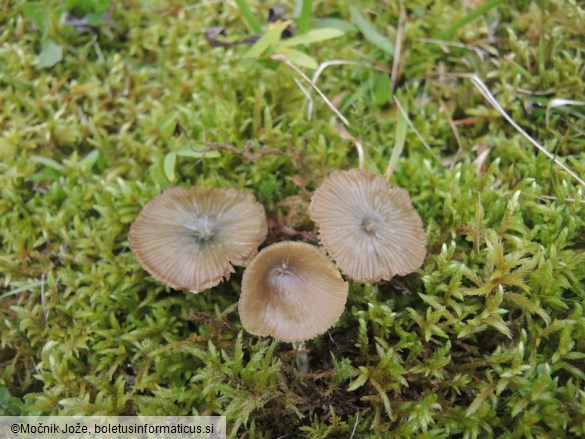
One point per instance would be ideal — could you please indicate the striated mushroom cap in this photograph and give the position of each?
(292, 292)
(370, 229)
(189, 238)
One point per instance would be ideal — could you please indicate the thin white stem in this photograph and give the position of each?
(284, 59)
(305, 92)
(45, 313)
(485, 92)
(302, 359)
(357, 417)
(320, 69)
(492, 100)
(398, 46)
(410, 124)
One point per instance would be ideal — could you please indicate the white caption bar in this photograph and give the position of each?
(110, 427)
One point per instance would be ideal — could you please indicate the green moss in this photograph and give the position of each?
(486, 339)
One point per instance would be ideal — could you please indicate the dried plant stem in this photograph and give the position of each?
(284, 59)
(485, 92)
(410, 124)
(357, 143)
(357, 417)
(478, 225)
(398, 47)
(45, 313)
(341, 62)
(551, 198)
(317, 74)
(333, 62)
(306, 93)
(459, 152)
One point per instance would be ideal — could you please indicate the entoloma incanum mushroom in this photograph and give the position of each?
(189, 238)
(292, 292)
(370, 229)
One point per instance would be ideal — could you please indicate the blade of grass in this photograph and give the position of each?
(193, 153)
(270, 38)
(305, 17)
(167, 125)
(334, 23)
(398, 47)
(37, 13)
(21, 289)
(49, 163)
(448, 33)
(312, 36)
(370, 32)
(410, 124)
(301, 59)
(400, 139)
(169, 166)
(381, 87)
(453, 127)
(253, 23)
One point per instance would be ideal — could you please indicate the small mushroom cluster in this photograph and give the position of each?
(190, 239)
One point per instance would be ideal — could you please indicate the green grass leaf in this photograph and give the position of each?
(311, 37)
(270, 38)
(400, 139)
(18, 290)
(333, 23)
(193, 153)
(370, 32)
(51, 54)
(382, 88)
(300, 59)
(167, 125)
(169, 166)
(49, 163)
(305, 17)
(251, 20)
(36, 12)
(476, 13)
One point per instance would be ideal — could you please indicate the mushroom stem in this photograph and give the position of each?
(302, 359)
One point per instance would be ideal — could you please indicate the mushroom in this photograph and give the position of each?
(292, 292)
(189, 238)
(370, 229)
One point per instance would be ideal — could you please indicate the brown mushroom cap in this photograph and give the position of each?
(370, 229)
(189, 238)
(292, 292)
